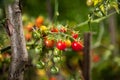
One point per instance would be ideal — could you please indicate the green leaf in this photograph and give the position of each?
(115, 5)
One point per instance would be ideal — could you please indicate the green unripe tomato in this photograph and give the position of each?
(36, 35)
(40, 65)
(54, 70)
(56, 59)
(89, 2)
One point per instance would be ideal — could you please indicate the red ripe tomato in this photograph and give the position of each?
(75, 35)
(77, 46)
(49, 43)
(54, 29)
(52, 78)
(61, 45)
(96, 58)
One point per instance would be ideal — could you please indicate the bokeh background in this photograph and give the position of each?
(105, 40)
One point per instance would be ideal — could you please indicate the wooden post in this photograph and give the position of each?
(87, 56)
(14, 28)
(49, 9)
(112, 31)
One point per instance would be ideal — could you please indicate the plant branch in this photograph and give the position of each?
(5, 49)
(95, 20)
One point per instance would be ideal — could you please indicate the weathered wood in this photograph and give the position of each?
(112, 31)
(87, 56)
(19, 53)
(49, 9)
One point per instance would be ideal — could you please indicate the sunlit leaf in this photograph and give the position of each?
(96, 2)
(115, 5)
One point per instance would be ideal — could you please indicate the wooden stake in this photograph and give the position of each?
(87, 56)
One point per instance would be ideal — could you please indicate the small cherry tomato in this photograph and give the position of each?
(49, 43)
(52, 78)
(39, 21)
(89, 2)
(63, 29)
(43, 28)
(75, 35)
(28, 36)
(77, 46)
(54, 29)
(96, 58)
(29, 27)
(68, 43)
(61, 45)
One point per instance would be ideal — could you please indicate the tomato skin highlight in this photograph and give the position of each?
(77, 46)
(61, 45)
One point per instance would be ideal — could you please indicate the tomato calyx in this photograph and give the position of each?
(63, 29)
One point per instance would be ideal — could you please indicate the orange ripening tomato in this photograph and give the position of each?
(49, 43)
(29, 27)
(68, 43)
(28, 36)
(39, 21)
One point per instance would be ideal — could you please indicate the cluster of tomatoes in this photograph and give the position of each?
(63, 44)
(62, 37)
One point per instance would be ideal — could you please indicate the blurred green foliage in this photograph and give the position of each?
(73, 12)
